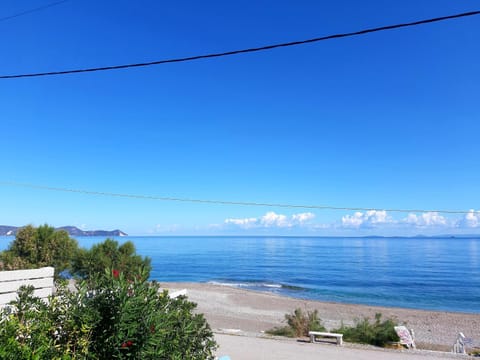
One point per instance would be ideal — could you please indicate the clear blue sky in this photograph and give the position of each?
(387, 120)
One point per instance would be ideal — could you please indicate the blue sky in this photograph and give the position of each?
(387, 120)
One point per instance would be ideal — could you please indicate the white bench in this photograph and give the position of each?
(314, 334)
(10, 281)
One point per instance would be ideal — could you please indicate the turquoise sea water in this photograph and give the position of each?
(421, 273)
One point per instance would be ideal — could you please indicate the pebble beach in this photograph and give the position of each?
(231, 310)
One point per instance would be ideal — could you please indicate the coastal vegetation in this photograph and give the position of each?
(39, 247)
(114, 312)
(47, 246)
(377, 333)
(109, 254)
(7, 230)
(299, 323)
(111, 316)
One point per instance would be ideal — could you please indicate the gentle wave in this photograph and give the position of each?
(421, 273)
(256, 284)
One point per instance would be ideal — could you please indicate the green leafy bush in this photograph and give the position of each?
(111, 316)
(37, 247)
(45, 246)
(299, 324)
(37, 330)
(135, 321)
(114, 314)
(378, 333)
(109, 255)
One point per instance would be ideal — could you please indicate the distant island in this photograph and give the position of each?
(6, 230)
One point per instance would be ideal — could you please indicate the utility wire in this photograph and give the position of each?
(221, 202)
(243, 51)
(33, 10)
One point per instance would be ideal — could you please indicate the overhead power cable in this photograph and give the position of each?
(222, 202)
(243, 51)
(46, 6)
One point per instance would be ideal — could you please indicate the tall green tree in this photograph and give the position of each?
(110, 255)
(42, 246)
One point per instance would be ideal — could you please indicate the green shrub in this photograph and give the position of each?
(299, 324)
(378, 333)
(135, 321)
(45, 246)
(281, 331)
(114, 314)
(109, 255)
(111, 316)
(37, 247)
(37, 330)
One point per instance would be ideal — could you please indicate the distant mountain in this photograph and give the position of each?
(72, 231)
(460, 236)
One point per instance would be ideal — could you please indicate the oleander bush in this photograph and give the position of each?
(112, 315)
(32, 329)
(109, 254)
(299, 323)
(378, 333)
(115, 312)
(135, 321)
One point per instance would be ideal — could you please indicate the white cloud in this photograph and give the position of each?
(354, 220)
(245, 223)
(471, 219)
(374, 222)
(303, 217)
(426, 219)
(271, 220)
(411, 219)
(368, 219)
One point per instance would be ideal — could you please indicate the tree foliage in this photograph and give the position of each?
(37, 247)
(115, 312)
(45, 246)
(110, 316)
(109, 255)
(136, 321)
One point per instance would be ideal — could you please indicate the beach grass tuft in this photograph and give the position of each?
(299, 323)
(378, 333)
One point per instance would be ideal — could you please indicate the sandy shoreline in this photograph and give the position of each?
(232, 309)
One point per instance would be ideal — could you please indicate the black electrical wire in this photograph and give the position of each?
(222, 202)
(243, 51)
(43, 7)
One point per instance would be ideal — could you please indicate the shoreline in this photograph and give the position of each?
(288, 296)
(231, 309)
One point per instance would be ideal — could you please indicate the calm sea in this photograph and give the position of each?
(421, 273)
